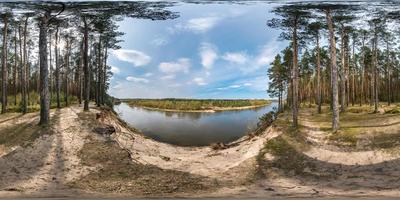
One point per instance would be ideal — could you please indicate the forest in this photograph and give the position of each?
(337, 56)
(330, 128)
(195, 104)
(55, 53)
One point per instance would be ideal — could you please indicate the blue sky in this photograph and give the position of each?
(210, 51)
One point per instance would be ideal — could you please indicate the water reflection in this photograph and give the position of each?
(192, 129)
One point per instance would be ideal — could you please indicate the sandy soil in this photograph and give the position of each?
(319, 168)
(52, 161)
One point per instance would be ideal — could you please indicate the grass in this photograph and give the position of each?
(358, 126)
(194, 104)
(34, 102)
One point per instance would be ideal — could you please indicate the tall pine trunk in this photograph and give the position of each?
(343, 71)
(4, 69)
(334, 79)
(15, 77)
(24, 68)
(86, 66)
(58, 84)
(44, 73)
(318, 76)
(295, 74)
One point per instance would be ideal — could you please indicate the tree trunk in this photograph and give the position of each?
(376, 73)
(295, 73)
(80, 93)
(318, 77)
(388, 73)
(362, 95)
(24, 70)
(343, 71)
(334, 81)
(353, 92)
(99, 73)
(67, 72)
(4, 69)
(51, 69)
(103, 96)
(58, 85)
(44, 73)
(86, 66)
(15, 69)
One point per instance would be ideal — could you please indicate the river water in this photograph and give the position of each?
(192, 128)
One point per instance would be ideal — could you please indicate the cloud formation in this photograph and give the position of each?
(137, 58)
(199, 81)
(208, 55)
(137, 79)
(181, 65)
(197, 25)
(115, 70)
(236, 57)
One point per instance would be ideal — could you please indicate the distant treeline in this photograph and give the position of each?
(195, 104)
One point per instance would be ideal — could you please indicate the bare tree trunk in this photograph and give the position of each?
(376, 73)
(99, 73)
(295, 74)
(24, 69)
(103, 96)
(85, 66)
(343, 71)
(44, 73)
(335, 92)
(363, 73)
(67, 71)
(318, 76)
(388, 69)
(15, 68)
(51, 68)
(4, 69)
(353, 92)
(80, 93)
(58, 84)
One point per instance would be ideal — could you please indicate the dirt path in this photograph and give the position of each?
(50, 161)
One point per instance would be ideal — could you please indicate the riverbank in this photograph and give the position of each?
(213, 110)
(70, 157)
(196, 105)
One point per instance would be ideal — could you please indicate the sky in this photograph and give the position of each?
(220, 51)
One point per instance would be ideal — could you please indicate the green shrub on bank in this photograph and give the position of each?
(194, 104)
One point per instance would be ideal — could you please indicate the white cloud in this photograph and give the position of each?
(137, 58)
(148, 74)
(115, 70)
(236, 57)
(137, 79)
(168, 77)
(199, 81)
(235, 86)
(267, 54)
(247, 84)
(159, 42)
(182, 65)
(197, 25)
(117, 86)
(202, 24)
(208, 54)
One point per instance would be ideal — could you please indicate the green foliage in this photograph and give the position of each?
(194, 104)
(34, 102)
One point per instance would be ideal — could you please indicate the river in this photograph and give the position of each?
(192, 128)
